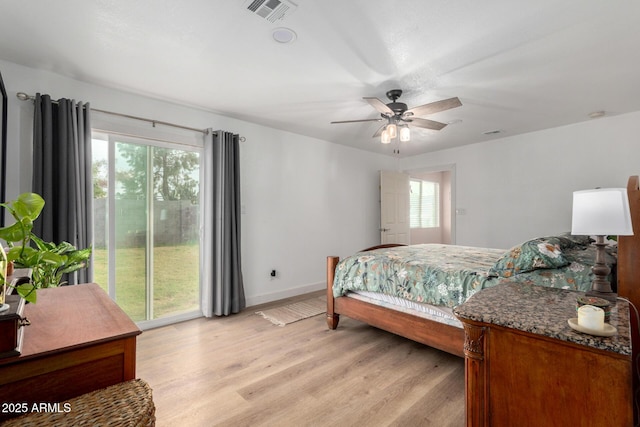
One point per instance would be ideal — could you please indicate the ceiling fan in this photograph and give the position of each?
(398, 117)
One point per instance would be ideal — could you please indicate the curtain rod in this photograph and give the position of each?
(24, 97)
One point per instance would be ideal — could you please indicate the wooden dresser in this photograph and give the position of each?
(79, 340)
(525, 366)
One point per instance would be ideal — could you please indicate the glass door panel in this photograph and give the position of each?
(150, 256)
(176, 231)
(131, 228)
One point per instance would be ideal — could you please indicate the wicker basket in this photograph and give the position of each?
(128, 404)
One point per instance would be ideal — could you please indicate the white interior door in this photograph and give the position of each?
(394, 207)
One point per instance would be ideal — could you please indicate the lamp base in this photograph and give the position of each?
(609, 296)
(600, 286)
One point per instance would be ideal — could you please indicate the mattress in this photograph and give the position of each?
(426, 311)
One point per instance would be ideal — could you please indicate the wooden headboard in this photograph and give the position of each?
(629, 277)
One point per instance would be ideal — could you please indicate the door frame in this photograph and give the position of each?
(451, 168)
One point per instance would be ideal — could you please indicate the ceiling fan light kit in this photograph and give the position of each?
(405, 134)
(397, 114)
(393, 130)
(385, 136)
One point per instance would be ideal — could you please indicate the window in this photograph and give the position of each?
(424, 204)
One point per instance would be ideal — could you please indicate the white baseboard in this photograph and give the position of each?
(274, 296)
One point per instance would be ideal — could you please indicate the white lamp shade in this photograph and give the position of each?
(601, 212)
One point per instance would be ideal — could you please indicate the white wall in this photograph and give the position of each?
(520, 187)
(304, 198)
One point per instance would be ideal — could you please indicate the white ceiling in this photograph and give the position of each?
(517, 66)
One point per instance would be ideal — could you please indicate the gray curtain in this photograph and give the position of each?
(62, 174)
(225, 293)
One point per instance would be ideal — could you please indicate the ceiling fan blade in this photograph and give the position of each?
(425, 123)
(357, 121)
(379, 131)
(434, 107)
(379, 105)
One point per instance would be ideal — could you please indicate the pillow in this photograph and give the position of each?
(544, 252)
(573, 240)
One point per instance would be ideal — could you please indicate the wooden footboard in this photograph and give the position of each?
(332, 261)
(332, 317)
(434, 334)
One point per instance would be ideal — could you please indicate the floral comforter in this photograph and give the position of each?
(431, 273)
(447, 275)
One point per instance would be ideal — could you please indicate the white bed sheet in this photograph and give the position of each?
(426, 311)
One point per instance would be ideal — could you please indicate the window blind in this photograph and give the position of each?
(424, 205)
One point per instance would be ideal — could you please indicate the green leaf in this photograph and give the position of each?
(71, 268)
(53, 258)
(13, 233)
(78, 255)
(41, 244)
(28, 292)
(64, 247)
(33, 260)
(25, 257)
(28, 205)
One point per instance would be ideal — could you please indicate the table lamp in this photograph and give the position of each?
(601, 212)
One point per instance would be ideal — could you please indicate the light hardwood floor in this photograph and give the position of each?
(243, 371)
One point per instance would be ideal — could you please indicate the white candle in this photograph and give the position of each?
(591, 317)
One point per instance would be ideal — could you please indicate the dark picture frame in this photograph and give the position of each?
(3, 148)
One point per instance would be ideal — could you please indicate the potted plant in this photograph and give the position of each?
(51, 261)
(47, 261)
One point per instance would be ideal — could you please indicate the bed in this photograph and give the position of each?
(384, 286)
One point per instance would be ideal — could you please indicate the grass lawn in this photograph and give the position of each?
(176, 286)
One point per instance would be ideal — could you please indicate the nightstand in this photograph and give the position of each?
(525, 366)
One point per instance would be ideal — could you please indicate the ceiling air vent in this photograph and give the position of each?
(271, 10)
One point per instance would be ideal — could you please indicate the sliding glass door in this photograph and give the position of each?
(147, 225)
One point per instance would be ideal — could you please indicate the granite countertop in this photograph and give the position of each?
(543, 311)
